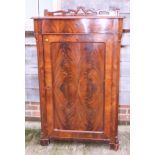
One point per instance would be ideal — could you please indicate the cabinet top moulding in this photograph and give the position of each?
(78, 17)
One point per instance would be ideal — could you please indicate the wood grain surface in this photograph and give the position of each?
(78, 62)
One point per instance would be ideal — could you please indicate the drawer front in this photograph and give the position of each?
(79, 26)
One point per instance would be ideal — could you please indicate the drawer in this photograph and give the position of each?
(83, 25)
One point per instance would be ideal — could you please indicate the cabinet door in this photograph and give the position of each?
(75, 88)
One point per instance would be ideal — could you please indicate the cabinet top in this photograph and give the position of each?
(79, 17)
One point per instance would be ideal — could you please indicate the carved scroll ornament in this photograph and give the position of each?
(82, 11)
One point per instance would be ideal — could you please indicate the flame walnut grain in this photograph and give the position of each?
(78, 64)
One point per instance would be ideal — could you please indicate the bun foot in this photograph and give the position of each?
(114, 146)
(44, 142)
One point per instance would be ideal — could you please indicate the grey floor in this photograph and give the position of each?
(73, 148)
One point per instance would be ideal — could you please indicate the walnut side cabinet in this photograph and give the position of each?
(79, 63)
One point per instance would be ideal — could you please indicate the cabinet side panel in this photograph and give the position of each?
(48, 86)
(40, 56)
(108, 88)
(115, 81)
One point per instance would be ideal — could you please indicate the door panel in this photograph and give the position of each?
(78, 79)
(77, 82)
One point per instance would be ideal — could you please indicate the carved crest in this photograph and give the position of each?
(82, 11)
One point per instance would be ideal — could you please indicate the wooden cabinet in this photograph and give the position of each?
(78, 63)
